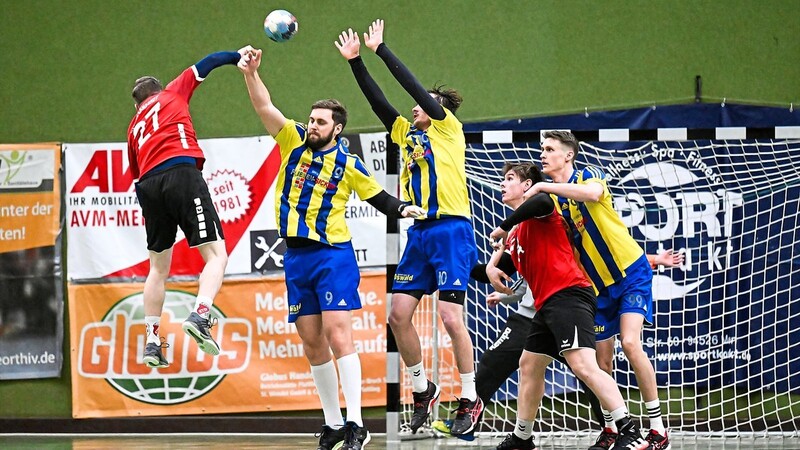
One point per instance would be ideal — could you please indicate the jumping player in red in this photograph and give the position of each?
(563, 327)
(166, 163)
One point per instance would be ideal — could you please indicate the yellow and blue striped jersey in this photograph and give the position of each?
(313, 187)
(605, 246)
(433, 175)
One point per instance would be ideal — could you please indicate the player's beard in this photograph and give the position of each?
(316, 143)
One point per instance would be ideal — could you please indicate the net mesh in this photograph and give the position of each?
(726, 345)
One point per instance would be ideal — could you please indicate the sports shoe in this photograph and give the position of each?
(657, 441)
(606, 440)
(153, 356)
(629, 438)
(423, 403)
(512, 442)
(468, 416)
(198, 328)
(329, 438)
(442, 427)
(355, 437)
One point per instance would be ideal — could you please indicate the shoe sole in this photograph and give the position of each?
(153, 362)
(206, 344)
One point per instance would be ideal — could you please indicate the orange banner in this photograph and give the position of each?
(262, 366)
(30, 202)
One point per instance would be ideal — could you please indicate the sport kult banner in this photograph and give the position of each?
(31, 296)
(261, 367)
(105, 229)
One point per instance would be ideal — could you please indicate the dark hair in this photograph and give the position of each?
(566, 138)
(145, 87)
(449, 98)
(338, 111)
(524, 170)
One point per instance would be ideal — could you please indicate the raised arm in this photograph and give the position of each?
(374, 40)
(271, 116)
(349, 47)
(214, 60)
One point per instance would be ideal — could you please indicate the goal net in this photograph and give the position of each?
(726, 341)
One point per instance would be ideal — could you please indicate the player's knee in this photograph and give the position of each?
(631, 345)
(454, 324)
(398, 320)
(606, 365)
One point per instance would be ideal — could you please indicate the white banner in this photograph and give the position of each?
(105, 230)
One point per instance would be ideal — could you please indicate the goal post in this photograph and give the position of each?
(726, 340)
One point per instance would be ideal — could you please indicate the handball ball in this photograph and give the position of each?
(280, 25)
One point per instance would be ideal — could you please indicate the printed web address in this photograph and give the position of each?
(703, 355)
(27, 358)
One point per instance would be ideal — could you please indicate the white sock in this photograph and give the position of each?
(419, 381)
(152, 323)
(202, 306)
(609, 421)
(328, 390)
(468, 386)
(620, 416)
(350, 378)
(523, 429)
(654, 412)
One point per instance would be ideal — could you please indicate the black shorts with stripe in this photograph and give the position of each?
(177, 197)
(565, 322)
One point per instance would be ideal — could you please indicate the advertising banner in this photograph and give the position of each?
(31, 296)
(106, 234)
(261, 367)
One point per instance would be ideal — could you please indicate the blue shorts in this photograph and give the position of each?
(321, 278)
(439, 255)
(632, 294)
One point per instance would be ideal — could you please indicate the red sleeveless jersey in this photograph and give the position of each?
(542, 254)
(162, 127)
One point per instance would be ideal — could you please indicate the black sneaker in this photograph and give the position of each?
(329, 438)
(512, 442)
(606, 440)
(355, 437)
(629, 437)
(153, 356)
(199, 328)
(423, 404)
(468, 416)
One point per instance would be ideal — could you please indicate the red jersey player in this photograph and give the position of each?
(563, 327)
(166, 160)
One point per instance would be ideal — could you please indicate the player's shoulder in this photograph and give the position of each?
(592, 173)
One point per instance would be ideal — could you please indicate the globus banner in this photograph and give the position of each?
(31, 293)
(102, 211)
(262, 366)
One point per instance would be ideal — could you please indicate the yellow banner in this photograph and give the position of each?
(29, 195)
(262, 366)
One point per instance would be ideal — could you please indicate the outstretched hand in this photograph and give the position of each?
(251, 60)
(348, 44)
(375, 36)
(669, 258)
